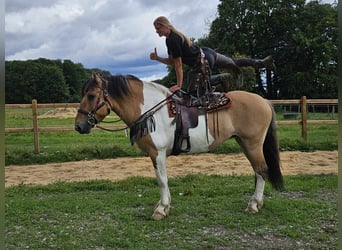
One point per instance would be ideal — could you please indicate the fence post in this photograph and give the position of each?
(304, 117)
(35, 125)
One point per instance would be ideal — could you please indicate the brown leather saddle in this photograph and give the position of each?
(186, 110)
(186, 117)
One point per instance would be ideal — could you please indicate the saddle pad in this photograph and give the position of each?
(223, 102)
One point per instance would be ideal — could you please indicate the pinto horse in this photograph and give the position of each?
(250, 119)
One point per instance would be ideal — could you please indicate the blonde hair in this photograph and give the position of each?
(163, 21)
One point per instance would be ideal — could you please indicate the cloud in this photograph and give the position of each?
(113, 35)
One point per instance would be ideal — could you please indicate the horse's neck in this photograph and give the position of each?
(141, 100)
(127, 109)
(153, 94)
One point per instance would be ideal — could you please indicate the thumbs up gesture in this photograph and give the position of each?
(154, 55)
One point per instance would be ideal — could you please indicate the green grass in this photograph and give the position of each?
(67, 146)
(207, 213)
(71, 146)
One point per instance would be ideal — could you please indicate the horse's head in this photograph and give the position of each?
(94, 106)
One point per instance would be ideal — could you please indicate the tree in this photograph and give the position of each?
(301, 37)
(253, 28)
(50, 84)
(311, 54)
(75, 75)
(16, 90)
(40, 79)
(46, 80)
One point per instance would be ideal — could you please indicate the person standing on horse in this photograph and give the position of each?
(181, 50)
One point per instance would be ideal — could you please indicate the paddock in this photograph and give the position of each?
(293, 162)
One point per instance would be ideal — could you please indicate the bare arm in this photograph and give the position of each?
(177, 62)
(179, 70)
(165, 60)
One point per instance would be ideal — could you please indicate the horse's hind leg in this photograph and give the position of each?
(260, 169)
(256, 201)
(254, 154)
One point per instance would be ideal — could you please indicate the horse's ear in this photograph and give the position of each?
(96, 77)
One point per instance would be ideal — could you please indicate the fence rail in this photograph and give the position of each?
(303, 122)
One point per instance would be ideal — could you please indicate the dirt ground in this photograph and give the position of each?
(294, 162)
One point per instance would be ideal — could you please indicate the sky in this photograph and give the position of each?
(113, 35)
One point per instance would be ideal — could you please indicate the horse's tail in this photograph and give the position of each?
(271, 154)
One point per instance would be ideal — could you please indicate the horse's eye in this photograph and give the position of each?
(90, 97)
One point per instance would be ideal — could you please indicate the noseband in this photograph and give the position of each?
(91, 114)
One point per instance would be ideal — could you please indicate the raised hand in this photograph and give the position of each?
(154, 55)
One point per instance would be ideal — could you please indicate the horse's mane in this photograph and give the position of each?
(117, 85)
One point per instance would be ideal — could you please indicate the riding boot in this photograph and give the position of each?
(266, 63)
(222, 81)
(184, 138)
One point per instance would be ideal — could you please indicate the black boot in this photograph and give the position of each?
(268, 63)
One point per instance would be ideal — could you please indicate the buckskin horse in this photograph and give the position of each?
(142, 106)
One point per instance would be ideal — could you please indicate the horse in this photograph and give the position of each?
(142, 106)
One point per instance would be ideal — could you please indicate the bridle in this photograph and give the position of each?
(91, 114)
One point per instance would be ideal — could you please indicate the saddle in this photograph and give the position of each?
(186, 117)
(186, 109)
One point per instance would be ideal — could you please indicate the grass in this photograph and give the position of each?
(67, 146)
(71, 146)
(207, 213)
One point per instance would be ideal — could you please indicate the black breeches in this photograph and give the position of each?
(227, 63)
(245, 62)
(221, 61)
(210, 55)
(217, 60)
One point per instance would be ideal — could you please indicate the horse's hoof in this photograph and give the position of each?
(157, 215)
(252, 209)
(260, 204)
(160, 212)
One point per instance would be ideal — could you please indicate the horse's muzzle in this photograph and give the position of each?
(83, 127)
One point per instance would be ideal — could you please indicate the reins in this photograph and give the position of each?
(111, 130)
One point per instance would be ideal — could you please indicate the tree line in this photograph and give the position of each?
(302, 38)
(48, 81)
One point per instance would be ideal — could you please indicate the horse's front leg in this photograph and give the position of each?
(163, 206)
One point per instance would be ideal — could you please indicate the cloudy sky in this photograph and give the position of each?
(116, 35)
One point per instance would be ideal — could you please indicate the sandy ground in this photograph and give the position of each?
(294, 162)
(319, 162)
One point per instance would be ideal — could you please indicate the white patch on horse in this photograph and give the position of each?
(152, 98)
(200, 138)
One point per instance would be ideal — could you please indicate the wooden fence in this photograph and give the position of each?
(303, 121)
